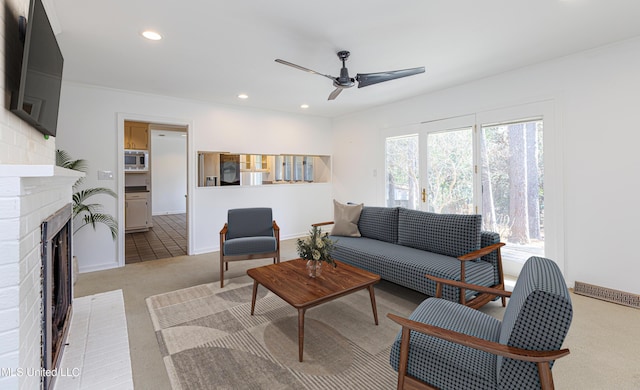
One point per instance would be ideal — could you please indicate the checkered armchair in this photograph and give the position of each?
(446, 345)
(249, 233)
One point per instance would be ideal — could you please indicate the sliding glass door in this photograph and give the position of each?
(457, 166)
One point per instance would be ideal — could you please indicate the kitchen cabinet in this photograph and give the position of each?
(136, 135)
(136, 211)
(254, 163)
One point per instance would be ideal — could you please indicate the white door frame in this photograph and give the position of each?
(121, 117)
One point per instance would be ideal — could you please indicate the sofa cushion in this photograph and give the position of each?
(439, 362)
(447, 234)
(249, 222)
(345, 218)
(407, 266)
(379, 223)
(250, 245)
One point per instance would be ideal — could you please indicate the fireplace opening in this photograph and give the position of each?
(56, 288)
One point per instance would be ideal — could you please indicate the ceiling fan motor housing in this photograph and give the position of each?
(344, 80)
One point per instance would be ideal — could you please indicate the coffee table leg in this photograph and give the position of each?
(300, 333)
(253, 297)
(373, 303)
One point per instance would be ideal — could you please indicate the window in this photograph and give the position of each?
(402, 185)
(512, 180)
(450, 171)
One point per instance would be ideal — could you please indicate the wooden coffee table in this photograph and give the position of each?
(289, 280)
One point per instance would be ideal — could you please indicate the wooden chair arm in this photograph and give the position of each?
(481, 252)
(322, 223)
(469, 286)
(275, 226)
(225, 229)
(478, 343)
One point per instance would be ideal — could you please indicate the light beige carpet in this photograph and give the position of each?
(209, 340)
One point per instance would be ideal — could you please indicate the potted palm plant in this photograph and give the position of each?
(83, 212)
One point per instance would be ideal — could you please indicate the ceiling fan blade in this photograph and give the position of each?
(366, 79)
(335, 93)
(283, 62)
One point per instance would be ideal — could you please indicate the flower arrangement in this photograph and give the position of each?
(317, 247)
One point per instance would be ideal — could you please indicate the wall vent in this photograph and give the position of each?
(607, 294)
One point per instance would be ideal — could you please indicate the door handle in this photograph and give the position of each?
(424, 195)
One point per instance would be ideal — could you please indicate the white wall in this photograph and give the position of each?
(168, 173)
(594, 140)
(594, 97)
(89, 128)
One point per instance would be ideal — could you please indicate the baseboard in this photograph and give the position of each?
(98, 267)
(607, 294)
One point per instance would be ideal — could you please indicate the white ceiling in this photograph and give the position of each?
(213, 50)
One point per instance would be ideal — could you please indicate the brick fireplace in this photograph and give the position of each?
(29, 195)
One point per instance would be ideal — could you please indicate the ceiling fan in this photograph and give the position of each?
(364, 79)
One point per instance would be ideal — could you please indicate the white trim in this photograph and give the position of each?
(454, 123)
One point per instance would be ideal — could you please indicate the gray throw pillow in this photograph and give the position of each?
(345, 218)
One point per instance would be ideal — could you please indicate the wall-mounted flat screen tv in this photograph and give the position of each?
(38, 96)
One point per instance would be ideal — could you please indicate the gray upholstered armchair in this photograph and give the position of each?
(446, 345)
(249, 233)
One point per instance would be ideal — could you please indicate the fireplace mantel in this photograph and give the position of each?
(16, 170)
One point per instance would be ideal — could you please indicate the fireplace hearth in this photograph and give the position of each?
(56, 288)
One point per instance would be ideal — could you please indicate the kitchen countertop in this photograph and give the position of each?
(135, 189)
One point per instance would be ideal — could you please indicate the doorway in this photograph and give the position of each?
(166, 232)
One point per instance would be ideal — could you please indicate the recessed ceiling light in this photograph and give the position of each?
(152, 35)
(243, 96)
(304, 106)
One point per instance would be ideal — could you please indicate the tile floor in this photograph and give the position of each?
(167, 238)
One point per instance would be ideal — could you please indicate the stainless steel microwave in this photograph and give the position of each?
(136, 160)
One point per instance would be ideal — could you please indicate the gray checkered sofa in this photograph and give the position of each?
(403, 245)
(537, 318)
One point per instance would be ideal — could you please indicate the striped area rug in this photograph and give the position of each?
(209, 340)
